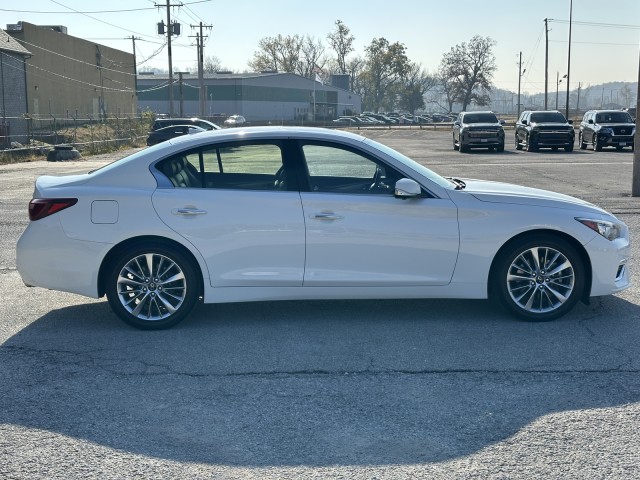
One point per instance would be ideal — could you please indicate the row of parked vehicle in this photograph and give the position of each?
(545, 129)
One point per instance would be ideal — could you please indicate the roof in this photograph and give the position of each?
(9, 44)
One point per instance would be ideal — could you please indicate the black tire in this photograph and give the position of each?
(500, 147)
(583, 145)
(530, 294)
(531, 146)
(518, 144)
(147, 301)
(455, 146)
(463, 148)
(568, 148)
(597, 147)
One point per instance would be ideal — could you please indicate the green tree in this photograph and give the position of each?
(413, 86)
(468, 69)
(386, 64)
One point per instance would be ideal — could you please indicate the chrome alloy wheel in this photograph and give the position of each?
(151, 287)
(540, 280)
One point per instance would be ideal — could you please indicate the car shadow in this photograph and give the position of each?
(316, 382)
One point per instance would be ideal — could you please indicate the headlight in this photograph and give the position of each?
(606, 131)
(608, 230)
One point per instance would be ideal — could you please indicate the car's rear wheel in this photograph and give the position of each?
(539, 278)
(152, 287)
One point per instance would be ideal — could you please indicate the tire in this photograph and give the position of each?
(462, 147)
(500, 147)
(531, 146)
(455, 147)
(539, 278)
(583, 145)
(597, 147)
(568, 148)
(518, 144)
(150, 302)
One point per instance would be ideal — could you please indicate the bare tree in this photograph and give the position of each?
(279, 53)
(469, 68)
(312, 57)
(341, 41)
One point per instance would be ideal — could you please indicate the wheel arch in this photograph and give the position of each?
(584, 256)
(129, 243)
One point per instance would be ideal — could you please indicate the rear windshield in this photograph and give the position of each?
(480, 118)
(552, 117)
(613, 117)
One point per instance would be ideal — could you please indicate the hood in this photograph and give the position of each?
(497, 192)
(481, 125)
(552, 125)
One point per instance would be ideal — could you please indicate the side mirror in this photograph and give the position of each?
(591, 121)
(524, 122)
(407, 188)
(570, 122)
(456, 123)
(502, 122)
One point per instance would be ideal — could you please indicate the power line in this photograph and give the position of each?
(88, 12)
(597, 24)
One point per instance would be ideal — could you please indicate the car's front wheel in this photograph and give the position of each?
(581, 141)
(531, 145)
(152, 286)
(597, 146)
(455, 145)
(539, 278)
(518, 144)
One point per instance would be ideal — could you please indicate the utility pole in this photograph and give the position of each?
(200, 44)
(135, 66)
(520, 72)
(546, 62)
(569, 58)
(171, 30)
(635, 187)
(181, 94)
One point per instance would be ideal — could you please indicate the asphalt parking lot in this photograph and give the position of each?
(327, 389)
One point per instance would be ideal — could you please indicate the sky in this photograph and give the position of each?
(605, 43)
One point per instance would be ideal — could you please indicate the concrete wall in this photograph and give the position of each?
(59, 85)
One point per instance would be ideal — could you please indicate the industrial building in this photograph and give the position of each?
(68, 77)
(259, 97)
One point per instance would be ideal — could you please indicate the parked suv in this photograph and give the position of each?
(606, 128)
(198, 122)
(544, 129)
(478, 130)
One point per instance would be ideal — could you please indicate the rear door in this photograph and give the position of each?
(241, 209)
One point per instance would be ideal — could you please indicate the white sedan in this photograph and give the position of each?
(305, 213)
(235, 121)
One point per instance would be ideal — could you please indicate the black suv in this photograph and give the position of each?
(478, 130)
(198, 122)
(544, 129)
(606, 128)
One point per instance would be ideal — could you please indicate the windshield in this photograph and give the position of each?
(421, 169)
(551, 117)
(613, 117)
(480, 118)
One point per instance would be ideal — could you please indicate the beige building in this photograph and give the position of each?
(71, 77)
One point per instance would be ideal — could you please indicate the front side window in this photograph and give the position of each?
(340, 170)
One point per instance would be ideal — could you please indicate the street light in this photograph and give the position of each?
(558, 82)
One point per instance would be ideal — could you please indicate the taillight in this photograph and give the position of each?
(43, 207)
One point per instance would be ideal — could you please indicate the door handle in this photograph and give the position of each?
(188, 212)
(327, 216)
